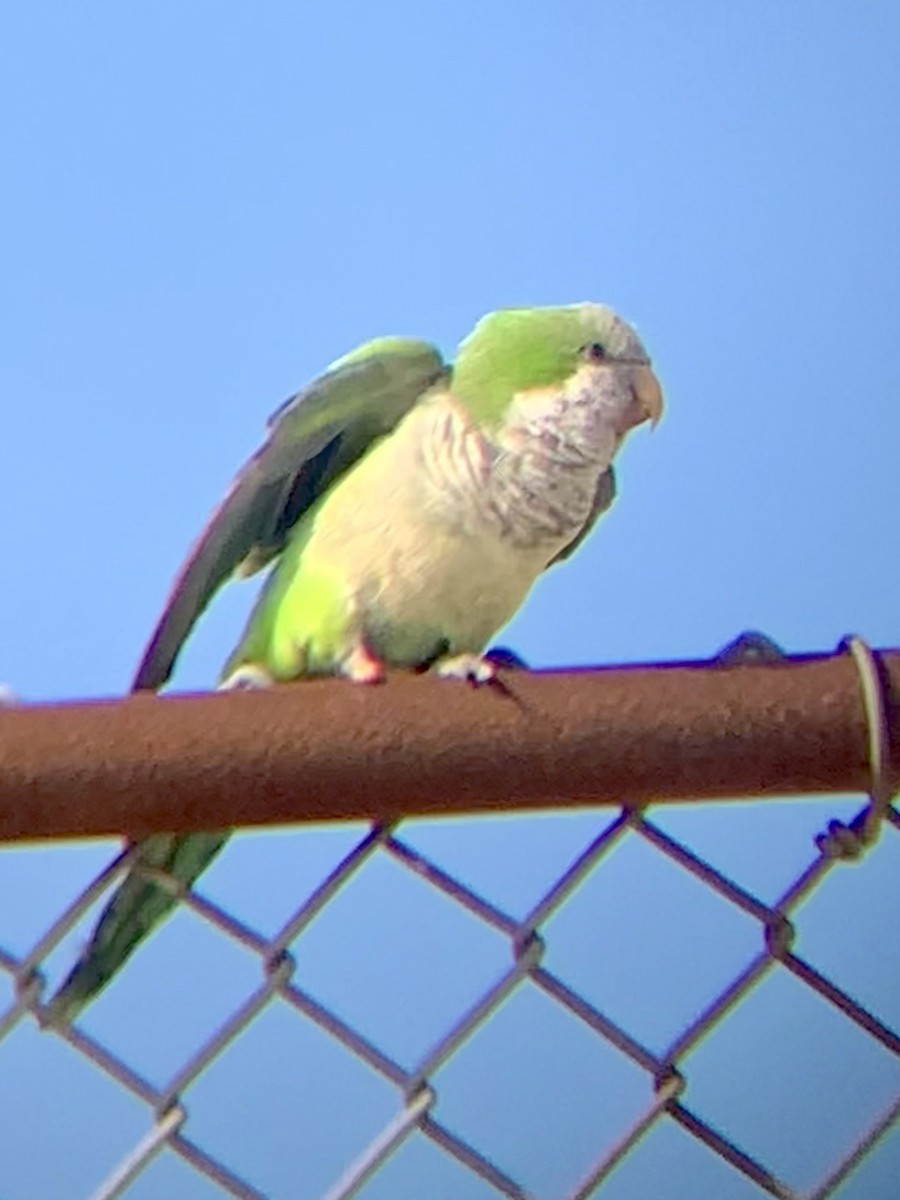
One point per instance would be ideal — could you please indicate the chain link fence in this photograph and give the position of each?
(520, 1007)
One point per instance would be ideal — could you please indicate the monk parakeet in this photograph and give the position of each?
(409, 507)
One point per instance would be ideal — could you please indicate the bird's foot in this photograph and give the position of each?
(471, 668)
(361, 665)
(248, 677)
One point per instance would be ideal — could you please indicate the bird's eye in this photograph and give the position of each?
(594, 352)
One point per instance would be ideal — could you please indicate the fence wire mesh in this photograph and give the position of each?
(433, 1000)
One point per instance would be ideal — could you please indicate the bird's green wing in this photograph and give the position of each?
(313, 437)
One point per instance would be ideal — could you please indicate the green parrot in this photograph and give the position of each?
(409, 506)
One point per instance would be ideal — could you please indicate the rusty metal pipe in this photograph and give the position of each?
(326, 750)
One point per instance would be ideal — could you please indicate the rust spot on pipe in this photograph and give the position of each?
(328, 750)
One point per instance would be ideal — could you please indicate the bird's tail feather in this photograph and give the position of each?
(138, 905)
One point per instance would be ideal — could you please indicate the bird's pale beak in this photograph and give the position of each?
(646, 403)
(648, 395)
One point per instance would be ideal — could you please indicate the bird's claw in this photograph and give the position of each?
(471, 668)
(249, 677)
(361, 665)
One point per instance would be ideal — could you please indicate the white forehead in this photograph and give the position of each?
(616, 336)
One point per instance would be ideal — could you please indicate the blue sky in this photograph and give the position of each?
(205, 203)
